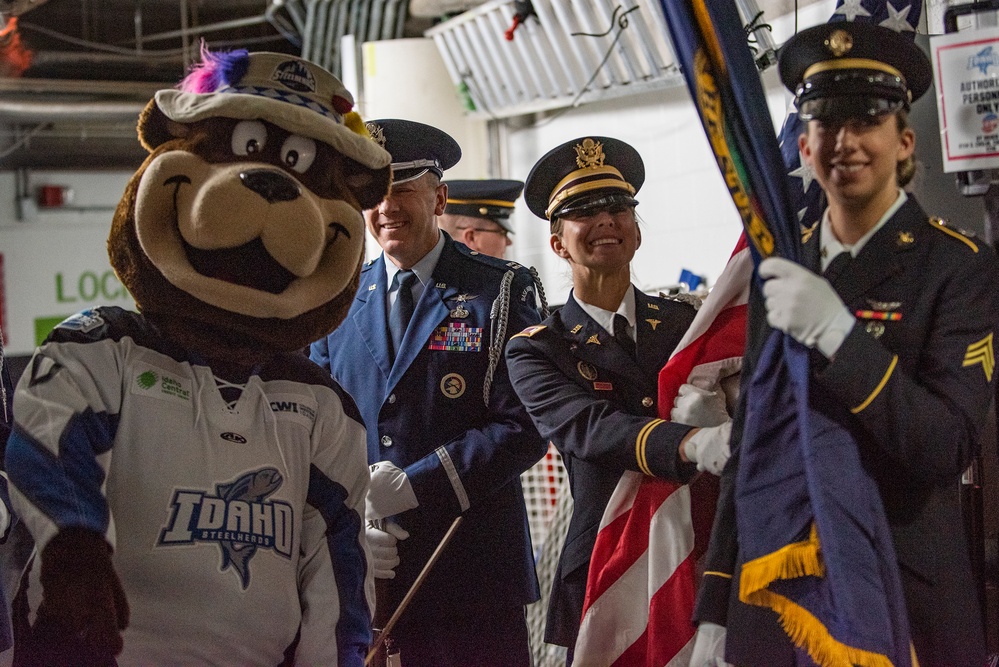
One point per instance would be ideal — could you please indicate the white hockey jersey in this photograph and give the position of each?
(234, 529)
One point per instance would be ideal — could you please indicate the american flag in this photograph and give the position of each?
(640, 591)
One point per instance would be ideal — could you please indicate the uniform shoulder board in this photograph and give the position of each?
(961, 235)
(687, 298)
(530, 331)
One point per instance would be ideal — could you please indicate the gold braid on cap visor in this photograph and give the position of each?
(485, 202)
(851, 63)
(595, 179)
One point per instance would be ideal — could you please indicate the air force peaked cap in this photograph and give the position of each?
(584, 173)
(416, 148)
(851, 69)
(491, 199)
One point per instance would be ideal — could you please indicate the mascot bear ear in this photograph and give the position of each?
(368, 185)
(155, 128)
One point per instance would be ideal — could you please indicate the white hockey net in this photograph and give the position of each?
(549, 507)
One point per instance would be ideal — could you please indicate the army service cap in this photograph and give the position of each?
(492, 199)
(416, 148)
(853, 69)
(588, 172)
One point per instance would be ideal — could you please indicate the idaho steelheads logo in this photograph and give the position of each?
(236, 518)
(296, 76)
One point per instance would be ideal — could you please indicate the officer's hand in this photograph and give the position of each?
(708, 447)
(390, 492)
(804, 305)
(709, 646)
(384, 547)
(699, 407)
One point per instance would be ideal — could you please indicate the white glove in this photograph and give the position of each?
(708, 447)
(709, 646)
(384, 547)
(699, 407)
(804, 305)
(390, 492)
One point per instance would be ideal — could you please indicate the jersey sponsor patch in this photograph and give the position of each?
(456, 337)
(155, 382)
(237, 517)
(294, 407)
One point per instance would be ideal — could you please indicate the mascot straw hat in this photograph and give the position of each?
(290, 92)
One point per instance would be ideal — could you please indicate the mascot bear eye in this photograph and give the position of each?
(249, 137)
(298, 153)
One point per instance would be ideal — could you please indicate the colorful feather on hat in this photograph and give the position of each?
(216, 70)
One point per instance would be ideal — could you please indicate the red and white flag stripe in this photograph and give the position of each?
(642, 578)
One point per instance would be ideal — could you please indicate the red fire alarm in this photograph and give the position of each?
(53, 196)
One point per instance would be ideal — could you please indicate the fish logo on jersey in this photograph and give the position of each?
(236, 517)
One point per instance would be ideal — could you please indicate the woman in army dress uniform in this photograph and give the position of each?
(900, 310)
(588, 374)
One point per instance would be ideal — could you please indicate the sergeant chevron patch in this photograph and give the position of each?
(981, 353)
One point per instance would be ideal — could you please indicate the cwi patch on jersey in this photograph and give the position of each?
(237, 517)
(295, 408)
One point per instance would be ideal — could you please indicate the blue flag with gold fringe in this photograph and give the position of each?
(814, 542)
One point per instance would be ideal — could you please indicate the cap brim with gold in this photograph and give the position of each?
(850, 69)
(292, 93)
(491, 199)
(584, 173)
(416, 148)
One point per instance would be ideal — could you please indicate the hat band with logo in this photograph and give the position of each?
(585, 180)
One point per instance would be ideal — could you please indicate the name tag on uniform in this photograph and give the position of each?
(456, 337)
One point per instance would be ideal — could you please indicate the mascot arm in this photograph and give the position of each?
(334, 574)
(502, 446)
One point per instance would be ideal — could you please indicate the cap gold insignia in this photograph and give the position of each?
(587, 371)
(376, 132)
(806, 233)
(839, 42)
(576, 328)
(653, 322)
(590, 154)
(453, 385)
(981, 353)
(593, 340)
(905, 238)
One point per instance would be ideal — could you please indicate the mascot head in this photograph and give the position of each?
(242, 235)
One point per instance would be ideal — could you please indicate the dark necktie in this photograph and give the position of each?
(621, 335)
(402, 309)
(836, 266)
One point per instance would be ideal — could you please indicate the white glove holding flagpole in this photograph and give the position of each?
(804, 305)
(384, 545)
(709, 646)
(694, 406)
(709, 448)
(390, 492)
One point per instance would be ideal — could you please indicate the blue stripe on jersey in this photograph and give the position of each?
(67, 488)
(343, 525)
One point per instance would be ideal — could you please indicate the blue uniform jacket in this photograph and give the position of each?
(912, 383)
(598, 405)
(427, 415)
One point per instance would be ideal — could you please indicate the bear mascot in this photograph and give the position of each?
(194, 484)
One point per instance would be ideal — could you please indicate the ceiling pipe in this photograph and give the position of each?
(50, 112)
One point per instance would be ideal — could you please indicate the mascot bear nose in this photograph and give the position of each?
(271, 185)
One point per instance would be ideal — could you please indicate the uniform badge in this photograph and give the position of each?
(593, 340)
(587, 371)
(905, 238)
(884, 305)
(460, 312)
(576, 328)
(453, 385)
(653, 306)
(883, 315)
(372, 287)
(456, 337)
(875, 328)
(806, 233)
(654, 323)
(530, 331)
(981, 353)
(441, 285)
(603, 386)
